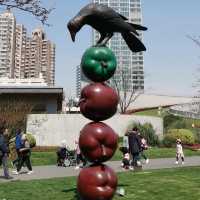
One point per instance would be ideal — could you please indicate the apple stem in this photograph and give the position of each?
(104, 64)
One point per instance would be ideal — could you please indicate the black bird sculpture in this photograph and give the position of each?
(106, 21)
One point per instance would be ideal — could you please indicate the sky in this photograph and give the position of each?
(170, 62)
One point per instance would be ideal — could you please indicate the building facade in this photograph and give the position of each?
(130, 70)
(7, 44)
(20, 51)
(22, 56)
(40, 57)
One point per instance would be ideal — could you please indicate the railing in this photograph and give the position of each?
(190, 110)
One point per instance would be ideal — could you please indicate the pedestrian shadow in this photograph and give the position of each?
(74, 190)
(122, 185)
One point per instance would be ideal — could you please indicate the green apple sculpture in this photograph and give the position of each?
(98, 63)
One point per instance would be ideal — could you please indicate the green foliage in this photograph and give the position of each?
(196, 133)
(31, 139)
(186, 136)
(170, 121)
(147, 131)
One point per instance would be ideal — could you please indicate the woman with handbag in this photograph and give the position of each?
(24, 156)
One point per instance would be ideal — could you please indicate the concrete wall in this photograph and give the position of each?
(51, 129)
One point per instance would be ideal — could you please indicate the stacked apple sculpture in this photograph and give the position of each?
(97, 140)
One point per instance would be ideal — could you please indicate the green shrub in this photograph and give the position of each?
(186, 136)
(196, 136)
(147, 131)
(172, 121)
(179, 124)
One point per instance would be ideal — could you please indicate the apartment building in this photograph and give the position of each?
(7, 44)
(22, 56)
(40, 57)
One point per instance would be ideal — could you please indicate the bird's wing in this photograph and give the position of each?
(133, 42)
(138, 27)
(87, 10)
(101, 11)
(122, 16)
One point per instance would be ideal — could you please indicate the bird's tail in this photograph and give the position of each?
(133, 42)
(138, 27)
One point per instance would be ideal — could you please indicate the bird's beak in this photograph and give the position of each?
(73, 35)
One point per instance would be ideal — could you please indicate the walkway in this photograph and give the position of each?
(46, 172)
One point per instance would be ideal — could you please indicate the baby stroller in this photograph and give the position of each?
(70, 159)
(65, 157)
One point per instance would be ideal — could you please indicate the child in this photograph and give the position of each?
(179, 151)
(144, 147)
(126, 161)
(62, 154)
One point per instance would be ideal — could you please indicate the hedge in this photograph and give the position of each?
(186, 136)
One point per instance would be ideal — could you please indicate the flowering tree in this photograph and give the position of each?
(33, 7)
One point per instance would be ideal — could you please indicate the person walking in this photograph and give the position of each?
(134, 147)
(4, 153)
(125, 150)
(18, 146)
(179, 151)
(24, 156)
(125, 145)
(79, 156)
(144, 147)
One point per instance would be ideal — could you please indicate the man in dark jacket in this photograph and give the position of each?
(134, 146)
(4, 153)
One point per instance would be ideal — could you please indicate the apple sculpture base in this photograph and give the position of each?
(97, 141)
(97, 182)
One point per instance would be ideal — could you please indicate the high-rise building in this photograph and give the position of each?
(20, 51)
(7, 44)
(78, 81)
(25, 57)
(130, 65)
(40, 57)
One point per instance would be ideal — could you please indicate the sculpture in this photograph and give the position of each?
(106, 21)
(99, 101)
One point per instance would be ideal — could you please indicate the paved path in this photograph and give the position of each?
(46, 172)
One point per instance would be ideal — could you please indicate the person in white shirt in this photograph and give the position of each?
(179, 151)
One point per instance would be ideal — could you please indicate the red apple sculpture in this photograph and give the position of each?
(97, 183)
(98, 101)
(98, 142)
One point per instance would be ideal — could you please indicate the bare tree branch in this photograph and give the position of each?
(126, 95)
(33, 7)
(194, 40)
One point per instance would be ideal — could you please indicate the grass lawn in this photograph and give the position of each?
(151, 112)
(176, 184)
(43, 158)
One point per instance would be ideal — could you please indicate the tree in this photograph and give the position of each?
(13, 112)
(31, 6)
(126, 92)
